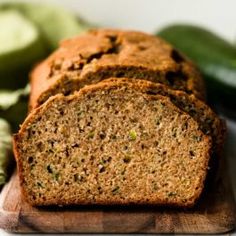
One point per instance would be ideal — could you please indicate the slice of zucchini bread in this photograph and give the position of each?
(100, 54)
(111, 143)
(209, 122)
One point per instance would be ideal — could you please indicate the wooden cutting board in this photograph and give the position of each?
(214, 213)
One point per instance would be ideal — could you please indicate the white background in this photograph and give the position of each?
(150, 15)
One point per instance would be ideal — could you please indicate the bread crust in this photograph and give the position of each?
(104, 53)
(90, 90)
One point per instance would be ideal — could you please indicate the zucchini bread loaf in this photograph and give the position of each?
(115, 142)
(100, 54)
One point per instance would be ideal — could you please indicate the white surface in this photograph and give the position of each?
(150, 15)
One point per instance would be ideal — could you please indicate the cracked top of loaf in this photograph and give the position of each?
(104, 53)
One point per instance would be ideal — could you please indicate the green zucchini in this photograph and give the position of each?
(20, 45)
(215, 57)
(54, 22)
(6, 157)
(14, 106)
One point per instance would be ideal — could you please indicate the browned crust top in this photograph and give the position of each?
(97, 50)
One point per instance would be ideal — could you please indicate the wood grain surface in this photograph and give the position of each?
(214, 213)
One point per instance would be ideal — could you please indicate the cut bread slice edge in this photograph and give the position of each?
(58, 191)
